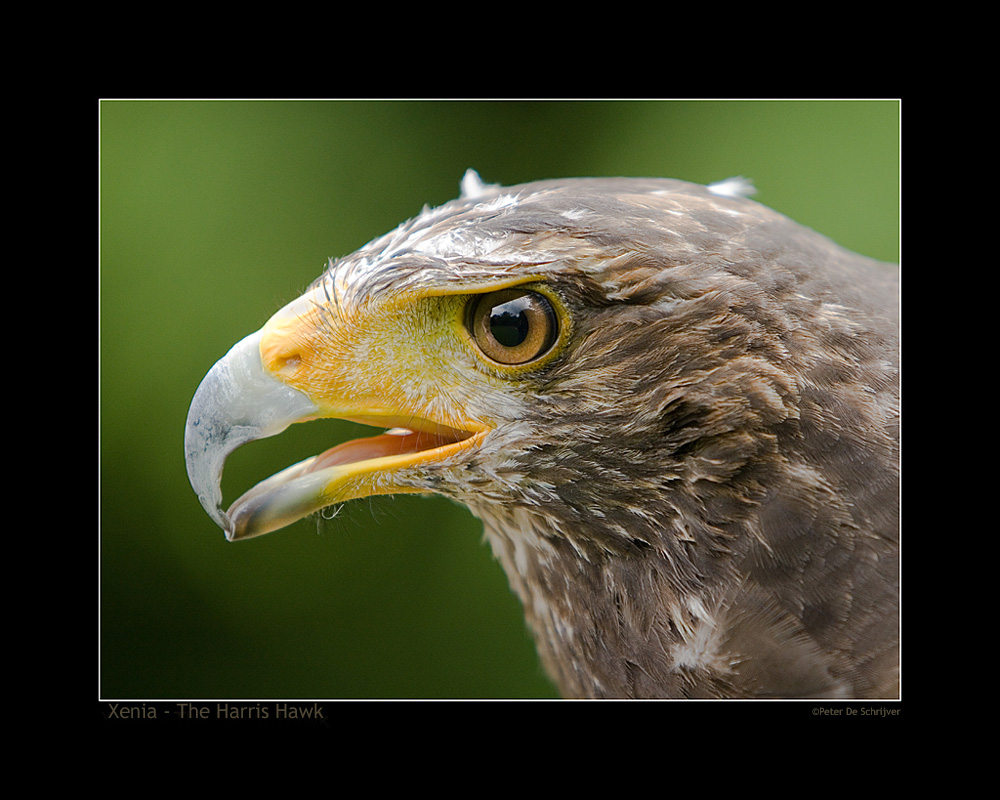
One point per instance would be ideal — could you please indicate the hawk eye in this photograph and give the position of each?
(513, 326)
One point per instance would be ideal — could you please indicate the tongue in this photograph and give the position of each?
(396, 442)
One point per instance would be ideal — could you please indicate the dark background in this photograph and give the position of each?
(215, 214)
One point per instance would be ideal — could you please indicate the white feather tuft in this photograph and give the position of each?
(472, 185)
(733, 187)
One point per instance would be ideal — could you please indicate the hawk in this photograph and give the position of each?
(674, 410)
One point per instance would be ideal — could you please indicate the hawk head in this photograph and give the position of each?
(673, 409)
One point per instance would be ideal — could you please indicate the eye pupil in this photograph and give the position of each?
(513, 326)
(509, 323)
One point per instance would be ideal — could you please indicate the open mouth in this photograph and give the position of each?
(239, 401)
(357, 468)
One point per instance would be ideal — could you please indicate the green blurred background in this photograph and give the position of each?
(215, 214)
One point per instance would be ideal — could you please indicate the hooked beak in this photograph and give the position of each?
(237, 402)
(244, 397)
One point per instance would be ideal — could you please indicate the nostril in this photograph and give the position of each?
(286, 339)
(280, 358)
(279, 350)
